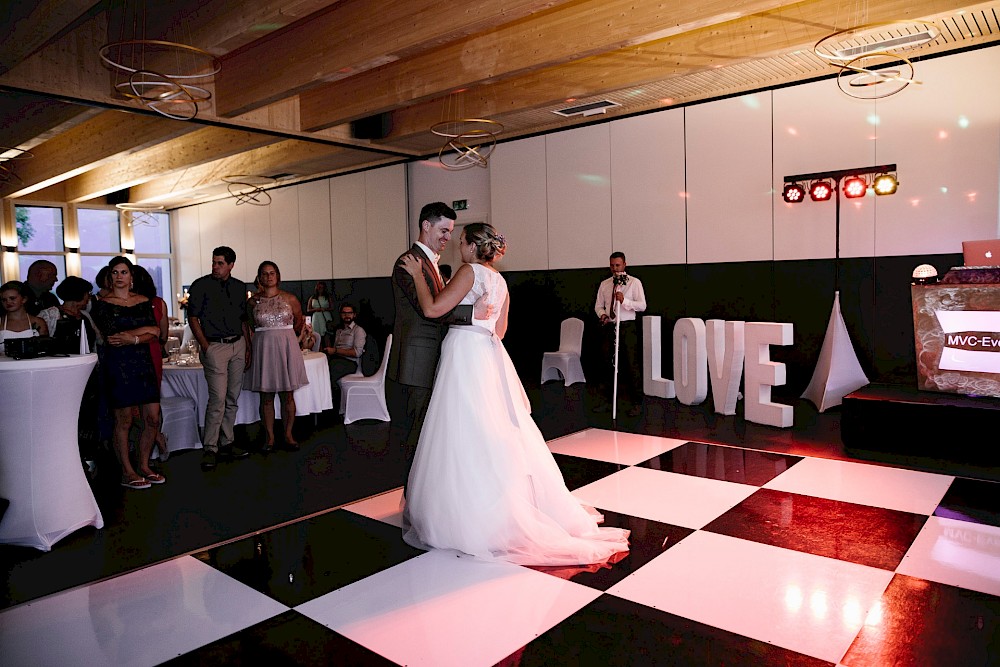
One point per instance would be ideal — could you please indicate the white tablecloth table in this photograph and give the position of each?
(315, 397)
(40, 470)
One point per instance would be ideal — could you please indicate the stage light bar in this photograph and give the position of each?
(885, 184)
(793, 193)
(821, 190)
(854, 187)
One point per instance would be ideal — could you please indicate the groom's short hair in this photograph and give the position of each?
(436, 211)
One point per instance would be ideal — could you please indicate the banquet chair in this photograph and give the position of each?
(317, 342)
(364, 397)
(179, 423)
(566, 363)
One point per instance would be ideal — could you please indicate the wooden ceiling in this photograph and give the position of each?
(296, 73)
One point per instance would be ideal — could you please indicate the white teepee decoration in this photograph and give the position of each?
(838, 371)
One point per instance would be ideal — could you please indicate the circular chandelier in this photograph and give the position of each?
(164, 76)
(870, 56)
(469, 142)
(141, 214)
(7, 156)
(249, 189)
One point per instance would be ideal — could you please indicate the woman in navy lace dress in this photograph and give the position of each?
(127, 323)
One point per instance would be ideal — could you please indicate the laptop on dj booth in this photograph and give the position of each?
(981, 253)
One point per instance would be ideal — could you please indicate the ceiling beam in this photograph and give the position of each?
(350, 37)
(262, 161)
(765, 34)
(27, 120)
(29, 26)
(105, 137)
(559, 35)
(195, 148)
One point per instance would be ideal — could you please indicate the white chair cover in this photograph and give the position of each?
(364, 397)
(180, 424)
(565, 363)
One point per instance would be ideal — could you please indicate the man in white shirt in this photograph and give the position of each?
(348, 342)
(619, 298)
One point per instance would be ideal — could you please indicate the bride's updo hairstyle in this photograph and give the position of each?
(490, 243)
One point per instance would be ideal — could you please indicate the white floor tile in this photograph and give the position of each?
(681, 500)
(958, 553)
(613, 446)
(876, 486)
(806, 603)
(141, 618)
(384, 507)
(445, 609)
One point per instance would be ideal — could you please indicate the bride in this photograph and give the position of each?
(483, 480)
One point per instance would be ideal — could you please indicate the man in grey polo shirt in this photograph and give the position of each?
(217, 314)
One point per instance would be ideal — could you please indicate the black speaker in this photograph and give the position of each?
(372, 127)
(117, 197)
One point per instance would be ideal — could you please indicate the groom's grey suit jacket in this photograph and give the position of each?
(416, 340)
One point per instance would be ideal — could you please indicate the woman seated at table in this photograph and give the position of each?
(126, 321)
(277, 365)
(66, 320)
(16, 322)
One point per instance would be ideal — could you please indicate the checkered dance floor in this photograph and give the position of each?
(738, 557)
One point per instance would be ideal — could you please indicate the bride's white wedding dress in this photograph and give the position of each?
(483, 480)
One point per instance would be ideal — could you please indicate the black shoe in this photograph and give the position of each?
(291, 446)
(208, 461)
(231, 453)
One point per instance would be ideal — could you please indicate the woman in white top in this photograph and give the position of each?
(483, 480)
(16, 322)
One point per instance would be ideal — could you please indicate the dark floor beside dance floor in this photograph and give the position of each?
(875, 564)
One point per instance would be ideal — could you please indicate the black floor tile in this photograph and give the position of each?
(855, 533)
(648, 539)
(971, 500)
(579, 472)
(927, 624)
(613, 631)
(730, 464)
(304, 560)
(286, 639)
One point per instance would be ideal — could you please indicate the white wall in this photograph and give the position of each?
(700, 184)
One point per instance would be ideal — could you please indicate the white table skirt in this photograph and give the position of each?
(40, 470)
(313, 398)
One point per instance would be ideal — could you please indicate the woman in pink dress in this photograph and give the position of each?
(277, 366)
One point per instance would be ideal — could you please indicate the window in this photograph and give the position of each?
(40, 237)
(39, 228)
(151, 233)
(99, 231)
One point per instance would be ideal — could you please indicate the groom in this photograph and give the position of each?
(416, 340)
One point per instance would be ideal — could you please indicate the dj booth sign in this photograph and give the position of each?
(957, 333)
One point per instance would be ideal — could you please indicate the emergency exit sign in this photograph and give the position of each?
(460, 204)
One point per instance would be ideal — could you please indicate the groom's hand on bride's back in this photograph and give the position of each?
(482, 310)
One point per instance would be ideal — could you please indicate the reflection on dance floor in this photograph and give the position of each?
(737, 557)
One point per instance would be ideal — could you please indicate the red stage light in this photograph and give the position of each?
(854, 187)
(821, 191)
(793, 193)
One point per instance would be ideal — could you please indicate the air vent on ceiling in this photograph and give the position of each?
(896, 43)
(589, 109)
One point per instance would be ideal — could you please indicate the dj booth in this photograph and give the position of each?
(954, 410)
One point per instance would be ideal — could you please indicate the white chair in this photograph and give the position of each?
(364, 397)
(565, 363)
(317, 341)
(180, 424)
